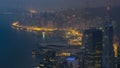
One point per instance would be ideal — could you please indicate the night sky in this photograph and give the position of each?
(43, 4)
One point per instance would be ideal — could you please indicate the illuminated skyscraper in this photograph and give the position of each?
(108, 54)
(93, 43)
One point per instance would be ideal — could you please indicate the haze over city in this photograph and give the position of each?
(59, 34)
(54, 4)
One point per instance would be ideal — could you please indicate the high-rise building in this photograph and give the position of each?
(118, 58)
(118, 53)
(108, 52)
(93, 43)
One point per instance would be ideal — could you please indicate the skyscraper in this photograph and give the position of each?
(108, 54)
(118, 58)
(93, 43)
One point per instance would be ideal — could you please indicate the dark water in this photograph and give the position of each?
(15, 46)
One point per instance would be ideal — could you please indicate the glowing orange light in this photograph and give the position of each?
(115, 45)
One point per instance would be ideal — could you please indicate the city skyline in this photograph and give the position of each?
(59, 34)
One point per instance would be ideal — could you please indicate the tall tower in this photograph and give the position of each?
(108, 54)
